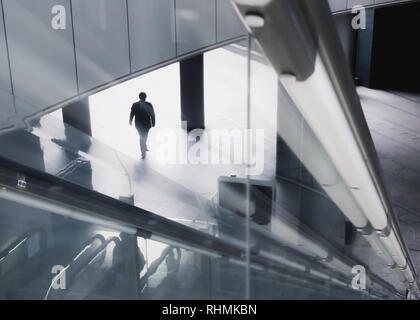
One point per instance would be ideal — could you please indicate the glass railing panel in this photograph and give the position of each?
(45, 255)
(319, 246)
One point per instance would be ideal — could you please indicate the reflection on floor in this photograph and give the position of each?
(394, 122)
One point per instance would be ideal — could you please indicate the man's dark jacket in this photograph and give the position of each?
(145, 115)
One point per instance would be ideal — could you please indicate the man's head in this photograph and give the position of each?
(142, 96)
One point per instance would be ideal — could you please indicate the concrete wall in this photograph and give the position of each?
(348, 37)
(41, 58)
(101, 43)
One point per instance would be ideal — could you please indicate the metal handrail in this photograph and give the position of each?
(293, 34)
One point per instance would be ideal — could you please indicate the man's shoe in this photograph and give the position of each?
(143, 156)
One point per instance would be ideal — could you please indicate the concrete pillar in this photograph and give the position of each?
(78, 115)
(364, 50)
(348, 38)
(192, 91)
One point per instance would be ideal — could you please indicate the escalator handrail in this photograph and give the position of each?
(24, 236)
(93, 255)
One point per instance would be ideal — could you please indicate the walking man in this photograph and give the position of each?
(145, 119)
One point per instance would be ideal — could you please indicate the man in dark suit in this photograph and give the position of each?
(145, 119)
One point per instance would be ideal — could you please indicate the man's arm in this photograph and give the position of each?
(152, 115)
(132, 115)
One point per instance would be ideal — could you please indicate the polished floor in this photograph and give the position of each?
(225, 108)
(394, 122)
